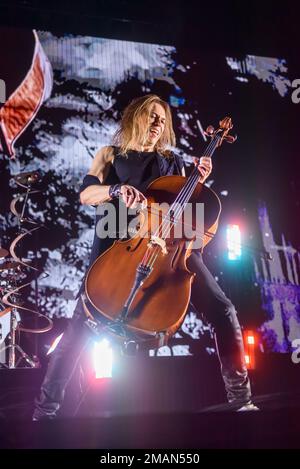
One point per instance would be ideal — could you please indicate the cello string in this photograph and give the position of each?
(155, 212)
(193, 185)
(196, 171)
(161, 226)
(184, 195)
(188, 188)
(155, 254)
(208, 149)
(180, 209)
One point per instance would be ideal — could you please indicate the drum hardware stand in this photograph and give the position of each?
(12, 347)
(25, 180)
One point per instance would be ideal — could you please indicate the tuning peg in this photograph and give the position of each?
(209, 131)
(230, 138)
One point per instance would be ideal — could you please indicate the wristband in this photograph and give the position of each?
(114, 191)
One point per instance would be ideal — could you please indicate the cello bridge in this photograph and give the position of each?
(160, 242)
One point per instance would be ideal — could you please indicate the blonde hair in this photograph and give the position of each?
(134, 125)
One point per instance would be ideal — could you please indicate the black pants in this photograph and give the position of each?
(207, 298)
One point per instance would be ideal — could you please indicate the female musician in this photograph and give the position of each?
(140, 155)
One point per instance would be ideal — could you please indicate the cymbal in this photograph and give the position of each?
(3, 252)
(9, 265)
(30, 177)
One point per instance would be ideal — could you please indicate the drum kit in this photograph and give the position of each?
(12, 275)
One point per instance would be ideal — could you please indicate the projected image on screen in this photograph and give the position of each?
(93, 79)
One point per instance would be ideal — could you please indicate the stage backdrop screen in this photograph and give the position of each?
(61, 100)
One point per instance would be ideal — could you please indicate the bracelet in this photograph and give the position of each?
(114, 191)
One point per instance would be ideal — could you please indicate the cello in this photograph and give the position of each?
(139, 289)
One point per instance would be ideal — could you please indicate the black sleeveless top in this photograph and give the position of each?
(137, 169)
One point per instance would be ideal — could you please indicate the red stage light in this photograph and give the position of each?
(249, 344)
(250, 339)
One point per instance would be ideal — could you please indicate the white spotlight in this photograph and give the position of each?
(102, 357)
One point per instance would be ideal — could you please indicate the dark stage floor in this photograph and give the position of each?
(160, 403)
(264, 429)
